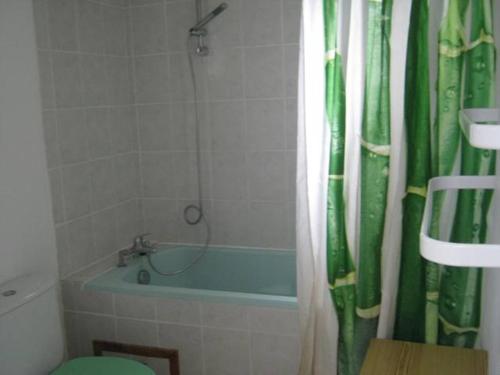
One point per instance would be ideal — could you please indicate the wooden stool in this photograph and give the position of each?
(387, 357)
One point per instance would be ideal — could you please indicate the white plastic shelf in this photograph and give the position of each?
(481, 127)
(457, 254)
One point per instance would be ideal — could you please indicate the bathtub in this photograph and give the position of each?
(234, 312)
(224, 275)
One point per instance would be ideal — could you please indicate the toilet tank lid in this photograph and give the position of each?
(23, 289)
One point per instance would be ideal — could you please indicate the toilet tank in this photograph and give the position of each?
(31, 336)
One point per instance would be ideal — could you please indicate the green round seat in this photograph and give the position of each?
(103, 366)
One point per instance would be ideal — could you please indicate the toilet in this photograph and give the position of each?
(31, 336)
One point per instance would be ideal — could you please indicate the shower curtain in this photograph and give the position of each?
(380, 86)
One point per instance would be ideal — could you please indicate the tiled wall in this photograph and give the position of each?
(247, 107)
(119, 130)
(212, 339)
(119, 122)
(89, 124)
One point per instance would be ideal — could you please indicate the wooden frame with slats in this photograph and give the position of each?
(390, 357)
(172, 355)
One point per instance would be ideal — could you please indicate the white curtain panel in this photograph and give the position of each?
(355, 75)
(391, 247)
(319, 327)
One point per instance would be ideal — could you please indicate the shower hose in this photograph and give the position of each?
(197, 208)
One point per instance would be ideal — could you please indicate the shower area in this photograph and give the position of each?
(175, 118)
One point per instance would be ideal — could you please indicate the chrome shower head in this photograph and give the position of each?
(198, 29)
(220, 8)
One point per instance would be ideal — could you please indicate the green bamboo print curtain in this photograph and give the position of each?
(375, 155)
(341, 273)
(460, 291)
(410, 313)
(466, 79)
(358, 305)
(451, 47)
(393, 83)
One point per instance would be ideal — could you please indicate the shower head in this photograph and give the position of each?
(198, 28)
(220, 8)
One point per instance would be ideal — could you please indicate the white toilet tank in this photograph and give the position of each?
(31, 339)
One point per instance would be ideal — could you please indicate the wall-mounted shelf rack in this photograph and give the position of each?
(457, 254)
(482, 129)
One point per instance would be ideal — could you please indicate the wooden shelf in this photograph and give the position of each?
(388, 357)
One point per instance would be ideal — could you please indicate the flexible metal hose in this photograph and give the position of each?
(201, 216)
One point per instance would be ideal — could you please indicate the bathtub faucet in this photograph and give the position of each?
(140, 246)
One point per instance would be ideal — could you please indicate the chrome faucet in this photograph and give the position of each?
(140, 246)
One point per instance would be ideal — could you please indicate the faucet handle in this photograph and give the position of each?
(141, 243)
(140, 240)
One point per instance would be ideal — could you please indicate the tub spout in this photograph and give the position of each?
(140, 246)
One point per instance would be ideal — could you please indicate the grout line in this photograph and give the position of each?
(231, 100)
(244, 79)
(81, 88)
(218, 48)
(107, 126)
(58, 149)
(83, 53)
(80, 75)
(115, 320)
(145, 104)
(136, 117)
(167, 151)
(249, 334)
(56, 124)
(73, 311)
(203, 350)
(90, 214)
(91, 160)
(85, 107)
(157, 322)
(80, 53)
(104, 4)
(147, 5)
(284, 103)
(165, 322)
(217, 200)
(250, 352)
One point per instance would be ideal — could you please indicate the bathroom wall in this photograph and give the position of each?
(89, 126)
(118, 117)
(247, 108)
(26, 233)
